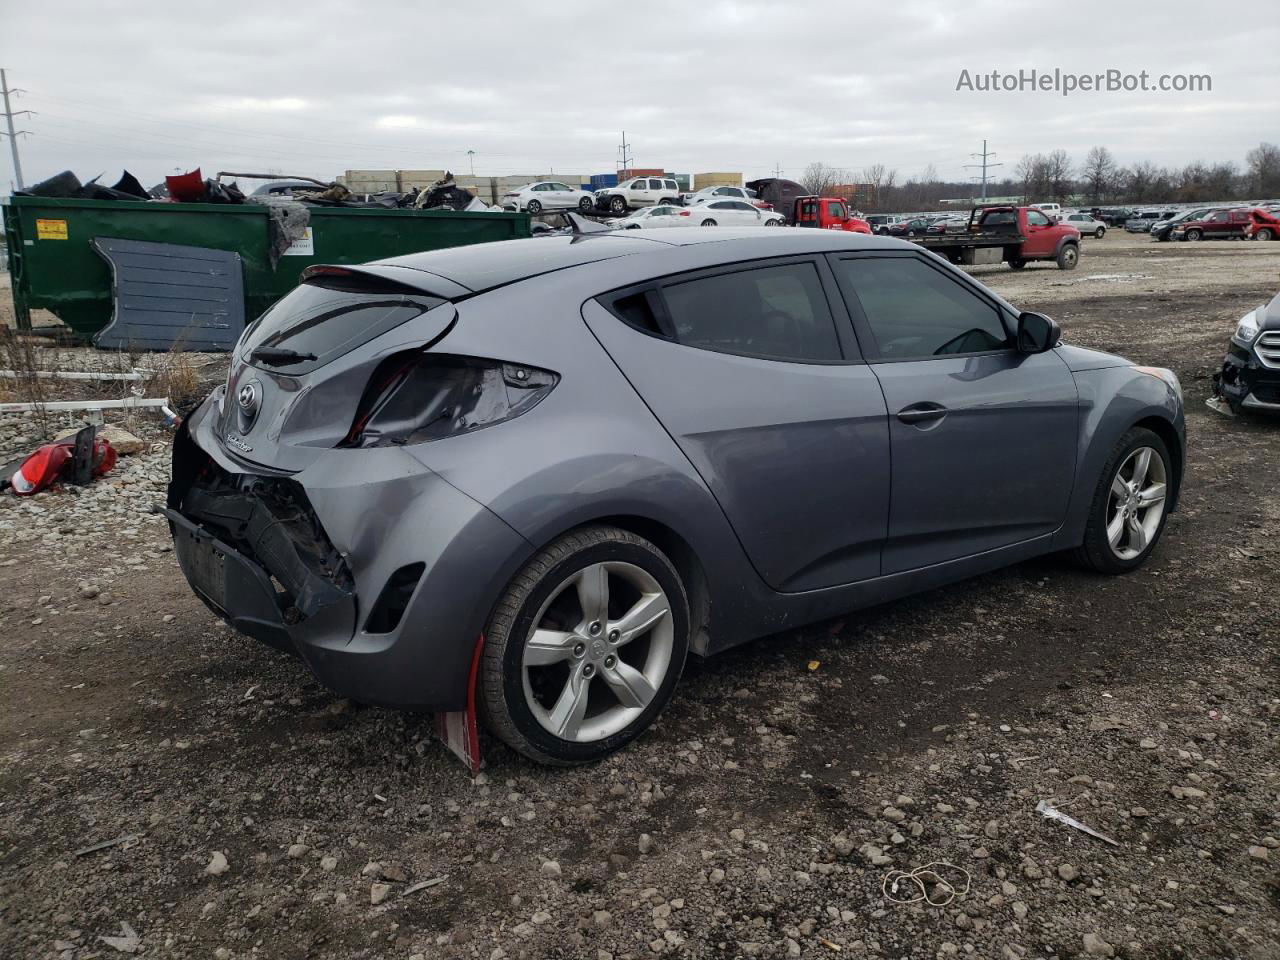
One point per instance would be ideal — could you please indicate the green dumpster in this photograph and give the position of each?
(53, 266)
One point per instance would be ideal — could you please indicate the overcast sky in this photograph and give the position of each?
(319, 88)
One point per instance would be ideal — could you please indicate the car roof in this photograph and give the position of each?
(484, 266)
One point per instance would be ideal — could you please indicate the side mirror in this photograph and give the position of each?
(1036, 333)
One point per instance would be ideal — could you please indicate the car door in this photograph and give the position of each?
(982, 438)
(560, 196)
(1042, 239)
(748, 370)
(1218, 224)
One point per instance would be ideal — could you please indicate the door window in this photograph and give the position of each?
(1037, 219)
(915, 311)
(778, 313)
(672, 186)
(835, 210)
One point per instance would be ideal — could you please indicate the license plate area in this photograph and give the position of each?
(205, 566)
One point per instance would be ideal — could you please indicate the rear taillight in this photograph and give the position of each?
(416, 397)
(684, 213)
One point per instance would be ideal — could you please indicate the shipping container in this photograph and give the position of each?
(701, 180)
(683, 180)
(399, 181)
(601, 181)
(640, 172)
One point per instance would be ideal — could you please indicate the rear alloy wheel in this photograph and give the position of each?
(1128, 511)
(1194, 235)
(533, 206)
(1262, 234)
(585, 204)
(618, 205)
(584, 649)
(1068, 256)
(708, 222)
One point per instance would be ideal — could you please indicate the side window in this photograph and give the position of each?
(1037, 219)
(915, 311)
(655, 184)
(672, 186)
(777, 313)
(835, 210)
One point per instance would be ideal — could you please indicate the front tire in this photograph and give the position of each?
(1097, 234)
(1128, 511)
(585, 204)
(585, 647)
(1068, 257)
(1017, 263)
(618, 206)
(1193, 235)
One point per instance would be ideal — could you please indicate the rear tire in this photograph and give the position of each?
(1263, 234)
(1017, 263)
(522, 702)
(1096, 551)
(1068, 256)
(533, 206)
(708, 222)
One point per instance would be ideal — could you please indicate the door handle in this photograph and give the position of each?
(921, 413)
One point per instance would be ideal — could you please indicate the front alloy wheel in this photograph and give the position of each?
(584, 649)
(1129, 506)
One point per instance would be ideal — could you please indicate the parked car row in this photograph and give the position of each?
(710, 212)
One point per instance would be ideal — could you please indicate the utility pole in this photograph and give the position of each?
(471, 155)
(9, 114)
(984, 165)
(624, 156)
(777, 169)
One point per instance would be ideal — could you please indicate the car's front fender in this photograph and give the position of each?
(1113, 400)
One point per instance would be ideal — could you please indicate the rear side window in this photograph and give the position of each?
(777, 313)
(916, 312)
(326, 321)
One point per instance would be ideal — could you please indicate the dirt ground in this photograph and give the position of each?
(266, 819)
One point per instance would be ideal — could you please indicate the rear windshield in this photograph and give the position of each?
(319, 321)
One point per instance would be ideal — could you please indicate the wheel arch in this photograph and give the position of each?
(1166, 431)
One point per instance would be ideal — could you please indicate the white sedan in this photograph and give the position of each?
(732, 213)
(723, 193)
(663, 215)
(548, 195)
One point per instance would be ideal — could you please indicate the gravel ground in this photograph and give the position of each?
(263, 818)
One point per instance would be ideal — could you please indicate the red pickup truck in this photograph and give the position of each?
(1015, 235)
(829, 213)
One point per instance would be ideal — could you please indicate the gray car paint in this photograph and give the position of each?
(475, 507)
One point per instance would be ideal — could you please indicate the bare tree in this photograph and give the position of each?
(1100, 173)
(1033, 172)
(819, 179)
(1263, 169)
(881, 179)
(1058, 175)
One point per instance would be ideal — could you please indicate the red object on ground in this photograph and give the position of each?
(47, 465)
(41, 469)
(460, 729)
(186, 187)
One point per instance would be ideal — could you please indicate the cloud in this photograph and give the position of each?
(729, 85)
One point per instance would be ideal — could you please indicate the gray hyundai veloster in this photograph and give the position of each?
(538, 473)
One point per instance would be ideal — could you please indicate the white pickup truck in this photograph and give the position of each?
(637, 192)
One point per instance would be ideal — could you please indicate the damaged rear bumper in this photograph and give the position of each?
(369, 566)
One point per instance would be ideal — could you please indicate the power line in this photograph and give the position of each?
(984, 165)
(9, 114)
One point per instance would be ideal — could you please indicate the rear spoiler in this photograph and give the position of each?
(384, 275)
